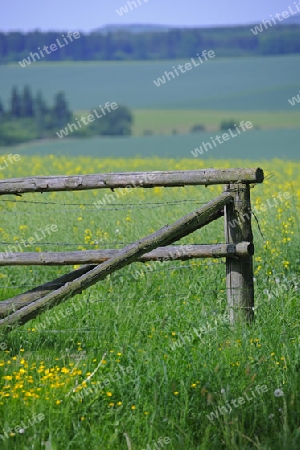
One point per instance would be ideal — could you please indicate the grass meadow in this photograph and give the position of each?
(142, 359)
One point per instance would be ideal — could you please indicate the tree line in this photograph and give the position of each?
(29, 117)
(175, 43)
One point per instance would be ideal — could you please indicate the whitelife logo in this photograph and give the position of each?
(159, 444)
(8, 431)
(188, 66)
(223, 409)
(86, 120)
(225, 136)
(30, 241)
(256, 210)
(10, 159)
(278, 16)
(96, 388)
(125, 10)
(63, 314)
(292, 101)
(189, 337)
(53, 47)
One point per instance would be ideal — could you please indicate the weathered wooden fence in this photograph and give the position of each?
(234, 204)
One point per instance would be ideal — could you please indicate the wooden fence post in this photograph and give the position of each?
(239, 271)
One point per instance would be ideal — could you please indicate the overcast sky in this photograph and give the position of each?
(26, 15)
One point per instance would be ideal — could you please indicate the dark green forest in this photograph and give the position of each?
(29, 118)
(175, 43)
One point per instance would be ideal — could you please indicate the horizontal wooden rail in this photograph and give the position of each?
(166, 235)
(17, 302)
(131, 180)
(182, 252)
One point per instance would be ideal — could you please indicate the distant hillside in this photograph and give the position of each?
(134, 28)
(253, 145)
(292, 20)
(148, 42)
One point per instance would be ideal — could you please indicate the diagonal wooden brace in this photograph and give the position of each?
(165, 236)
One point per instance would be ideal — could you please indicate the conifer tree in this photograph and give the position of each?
(40, 112)
(15, 108)
(27, 103)
(2, 111)
(61, 114)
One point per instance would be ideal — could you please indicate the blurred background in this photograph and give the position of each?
(121, 52)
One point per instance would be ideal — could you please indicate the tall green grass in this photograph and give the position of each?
(166, 325)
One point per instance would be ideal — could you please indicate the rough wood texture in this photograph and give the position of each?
(124, 257)
(135, 179)
(239, 271)
(177, 252)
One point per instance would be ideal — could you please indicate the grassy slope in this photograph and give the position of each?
(165, 121)
(257, 144)
(135, 319)
(243, 84)
(242, 89)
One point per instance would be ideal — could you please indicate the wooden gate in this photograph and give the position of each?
(234, 204)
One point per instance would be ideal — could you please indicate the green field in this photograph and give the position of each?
(173, 121)
(256, 144)
(149, 351)
(254, 89)
(240, 84)
(181, 121)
